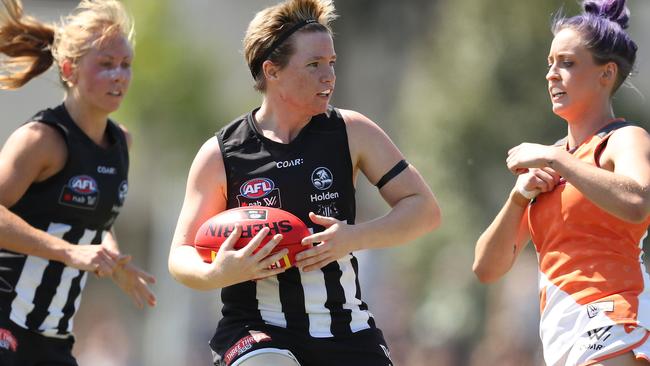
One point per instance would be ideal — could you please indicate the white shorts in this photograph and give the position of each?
(603, 343)
(283, 352)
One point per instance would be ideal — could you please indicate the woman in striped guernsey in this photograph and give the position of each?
(298, 153)
(584, 202)
(63, 178)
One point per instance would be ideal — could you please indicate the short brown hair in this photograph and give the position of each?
(270, 24)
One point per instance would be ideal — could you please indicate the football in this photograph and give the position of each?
(218, 228)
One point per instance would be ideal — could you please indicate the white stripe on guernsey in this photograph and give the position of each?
(359, 318)
(320, 319)
(86, 239)
(268, 300)
(644, 297)
(30, 279)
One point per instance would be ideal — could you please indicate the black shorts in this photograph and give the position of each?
(363, 348)
(22, 347)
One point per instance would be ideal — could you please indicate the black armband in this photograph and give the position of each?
(392, 173)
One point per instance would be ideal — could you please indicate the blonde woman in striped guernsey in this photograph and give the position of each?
(63, 178)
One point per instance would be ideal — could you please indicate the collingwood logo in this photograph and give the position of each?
(322, 178)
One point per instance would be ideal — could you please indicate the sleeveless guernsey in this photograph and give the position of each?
(591, 273)
(78, 204)
(312, 173)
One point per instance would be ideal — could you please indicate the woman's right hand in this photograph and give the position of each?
(98, 259)
(536, 181)
(231, 266)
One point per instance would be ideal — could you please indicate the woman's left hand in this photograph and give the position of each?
(526, 156)
(334, 243)
(135, 283)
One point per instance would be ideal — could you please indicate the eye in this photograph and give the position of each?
(313, 64)
(332, 63)
(126, 65)
(567, 63)
(106, 64)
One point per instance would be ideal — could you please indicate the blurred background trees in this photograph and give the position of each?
(455, 83)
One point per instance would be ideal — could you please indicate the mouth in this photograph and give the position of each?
(556, 93)
(325, 93)
(115, 93)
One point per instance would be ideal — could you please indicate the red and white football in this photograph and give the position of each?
(218, 228)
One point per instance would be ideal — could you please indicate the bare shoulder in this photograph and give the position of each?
(208, 165)
(33, 152)
(210, 150)
(360, 127)
(127, 135)
(355, 119)
(629, 138)
(40, 140)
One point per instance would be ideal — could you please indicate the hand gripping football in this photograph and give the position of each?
(216, 230)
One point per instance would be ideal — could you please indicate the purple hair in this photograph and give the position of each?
(602, 26)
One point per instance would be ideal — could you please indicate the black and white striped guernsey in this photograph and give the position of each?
(78, 204)
(311, 173)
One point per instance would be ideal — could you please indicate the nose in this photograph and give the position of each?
(552, 73)
(329, 76)
(120, 74)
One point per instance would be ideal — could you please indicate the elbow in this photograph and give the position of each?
(485, 272)
(637, 212)
(484, 275)
(433, 215)
(171, 267)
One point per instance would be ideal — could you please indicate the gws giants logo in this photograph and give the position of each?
(322, 178)
(80, 192)
(259, 192)
(7, 340)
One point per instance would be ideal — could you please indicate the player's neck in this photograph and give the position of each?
(587, 124)
(280, 124)
(91, 121)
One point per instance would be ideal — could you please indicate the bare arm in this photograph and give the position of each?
(621, 187)
(205, 196)
(414, 210)
(33, 153)
(500, 244)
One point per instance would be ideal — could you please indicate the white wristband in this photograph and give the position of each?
(526, 193)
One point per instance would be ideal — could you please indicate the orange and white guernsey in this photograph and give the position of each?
(591, 272)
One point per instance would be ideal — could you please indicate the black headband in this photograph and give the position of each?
(256, 67)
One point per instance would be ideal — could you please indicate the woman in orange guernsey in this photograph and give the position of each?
(584, 202)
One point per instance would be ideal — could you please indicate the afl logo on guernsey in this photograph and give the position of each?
(322, 178)
(83, 184)
(259, 192)
(81, 191)
(257, 188)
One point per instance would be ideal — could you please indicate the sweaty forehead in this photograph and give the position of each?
(116, 46)
(314, 44)
(567, 40)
